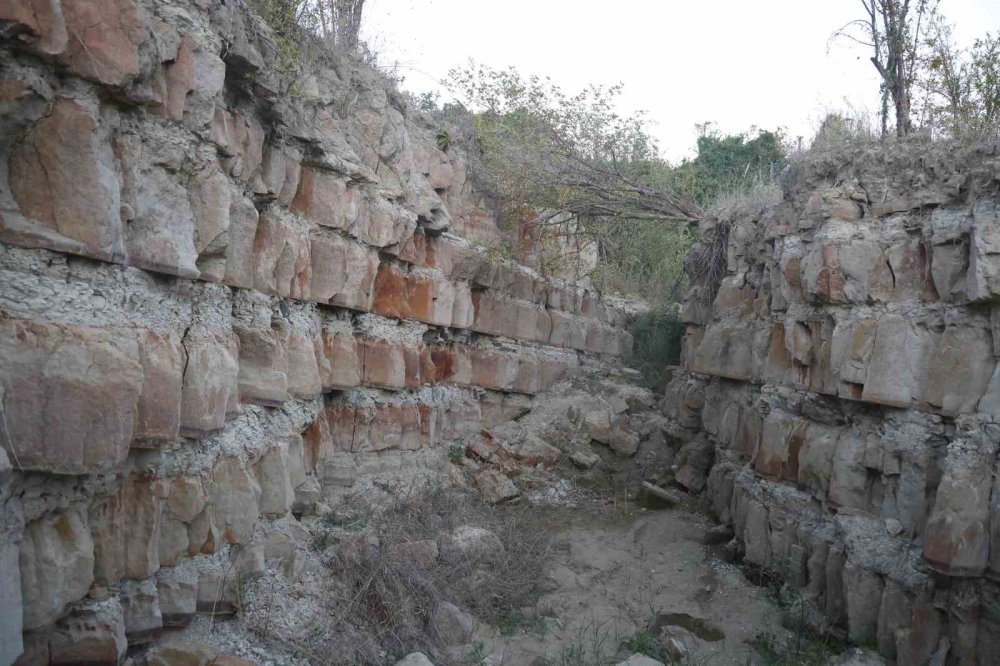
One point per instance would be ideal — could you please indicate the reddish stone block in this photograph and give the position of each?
(64, 182)
(340, 364)
(384, 363)
(282, 263)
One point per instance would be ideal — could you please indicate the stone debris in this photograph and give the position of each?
(584, 459)
(495, 487)
(451, 624)
(640, 660)
(415, 659)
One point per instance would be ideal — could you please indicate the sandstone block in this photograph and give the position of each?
(93, 633)
(984, 263)
(49, 376)
(900, 363)
(177, 590)
(242, 233)
(210, 381)
(126, 531)
(263, 376)
(424, 297)
(956, 539)
(273, 474)
(495, 487)
(57, 566)
(327, 200)
(141, 611)
(161, 237)
(863, 592)
(340, 361)
(104, 39)
(62, 175)
(211, 197)
(163, 359)
(384, 363)
(37, 21)
(281, 255)
(343, 271)
(12, 616)
(235, 498)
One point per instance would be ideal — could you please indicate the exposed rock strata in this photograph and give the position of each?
(844, 370)
(222, 305)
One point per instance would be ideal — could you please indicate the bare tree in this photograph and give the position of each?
(340, 21)
(892, 29)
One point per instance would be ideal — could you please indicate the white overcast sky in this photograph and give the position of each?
(736, 62)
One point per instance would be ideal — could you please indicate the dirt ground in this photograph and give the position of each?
(611, 579)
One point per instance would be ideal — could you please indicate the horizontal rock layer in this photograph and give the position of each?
(844, 368)
(224, 301)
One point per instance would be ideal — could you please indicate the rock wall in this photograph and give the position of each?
(841, 367)
(226, 297)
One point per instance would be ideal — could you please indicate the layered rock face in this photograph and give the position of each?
(841, 365)
(222, 303)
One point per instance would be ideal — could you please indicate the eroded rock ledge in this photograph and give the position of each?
(844, 375)
(222, 303)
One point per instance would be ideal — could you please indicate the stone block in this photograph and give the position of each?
(49, 375)
(343, 271)
(277, 494)
(282, 264)
(140, 604)
(235, 498)
(211, 381)
(159, 410)
(126, 532)
(57, 565)
(340, 361)
(62, 176)
(957, 535)
(177, 591)
(93, 633)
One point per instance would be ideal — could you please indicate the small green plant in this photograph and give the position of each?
(477, 653)
(656, 336)
(517, 623)
(443, 140)
(795, 650)
(456, 452)
(642, 642)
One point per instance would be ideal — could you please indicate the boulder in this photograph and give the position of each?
(470, 541)
(415, 659)
(451, 624)
(640, 660)
(495, 487)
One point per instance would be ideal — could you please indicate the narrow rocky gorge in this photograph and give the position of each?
(251, 327)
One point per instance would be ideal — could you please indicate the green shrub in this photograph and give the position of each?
(657, 344)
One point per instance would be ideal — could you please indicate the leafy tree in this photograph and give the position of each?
(963, 85)
(727, 163)
(549, 151)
